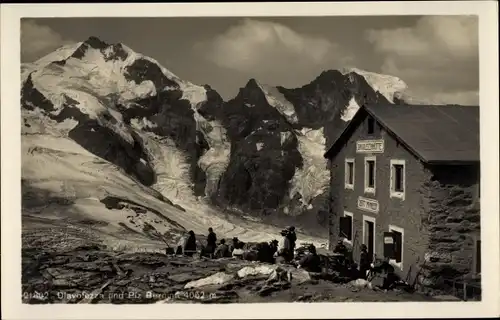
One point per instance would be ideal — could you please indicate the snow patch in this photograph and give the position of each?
(194, 94)
(59, 54)
(277, 100)
(38, 122)
(387, 85)
(284, 136)
(350, 111)
(216, 159)
(312, 179)
(142, 124)
(171, 166)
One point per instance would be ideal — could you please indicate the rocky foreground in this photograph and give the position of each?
(90, 274)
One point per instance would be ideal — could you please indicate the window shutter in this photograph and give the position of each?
(389, 245)
(344, 227)
(349, 228)
(397, 246)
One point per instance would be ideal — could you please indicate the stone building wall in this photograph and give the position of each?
(453, 219)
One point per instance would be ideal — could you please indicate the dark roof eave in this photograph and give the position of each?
(453, 162)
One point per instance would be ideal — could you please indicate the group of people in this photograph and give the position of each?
(275, 251)
(221, 250)
(344, 260)
(368, 267)
(188, 246)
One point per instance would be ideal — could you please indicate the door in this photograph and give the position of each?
(370, 241)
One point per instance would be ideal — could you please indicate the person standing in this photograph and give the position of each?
(292, 236)
(364, 261)
(211, 242)
(341, 252)
(190, 244)
(284, 248)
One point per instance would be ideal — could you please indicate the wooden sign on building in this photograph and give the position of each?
(370, 146)
(369, 205)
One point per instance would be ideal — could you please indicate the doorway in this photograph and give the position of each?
(369, 234)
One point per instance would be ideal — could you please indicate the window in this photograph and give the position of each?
(370, 164)
(346, 226)
(349, 173)
(395, 250)
(398, 179)
(371, 125)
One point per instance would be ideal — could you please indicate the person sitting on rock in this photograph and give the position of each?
(283, 253)
(266, 251)
(341, 253)
(234, 244)
(383, 274)
(189, 248)
(311, 261)
(274, 246)
(388, 274)
(238, 251)
(222, 250)
(250, 255)
(340, 247)
(211, 242)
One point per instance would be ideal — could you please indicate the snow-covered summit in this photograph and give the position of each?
(120, 94)
(93, 72)
(389, 86)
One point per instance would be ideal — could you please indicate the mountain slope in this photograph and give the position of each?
(127, 143)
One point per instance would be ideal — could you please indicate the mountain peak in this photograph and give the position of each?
(329, 74)
(327, 78)
(96, 43)
(252, 83)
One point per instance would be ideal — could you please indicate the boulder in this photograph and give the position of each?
(258, 270)
(280, 275)
(215, 279)
(299, 276)
(361, 283)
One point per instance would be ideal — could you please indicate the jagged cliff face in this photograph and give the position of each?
(261, 152)
(278, 137)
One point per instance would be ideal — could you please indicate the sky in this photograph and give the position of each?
(437, 56)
